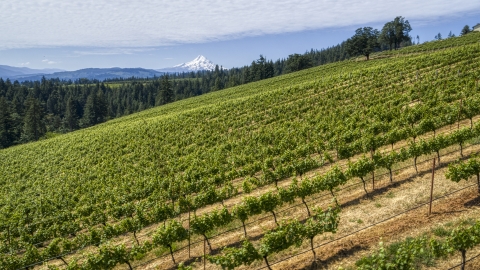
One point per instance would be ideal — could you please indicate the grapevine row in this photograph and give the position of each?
(269, 201)
(407, 253)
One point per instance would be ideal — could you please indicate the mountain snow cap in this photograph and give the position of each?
(197, 64)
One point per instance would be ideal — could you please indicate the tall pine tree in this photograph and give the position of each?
(71, 117)
(33, 126)
(101, 107)
(6, 125)
(165, 94)
(89, 117)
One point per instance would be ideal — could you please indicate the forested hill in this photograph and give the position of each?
(43, 108)
(34, 109)
(31, 109)
(37, 109)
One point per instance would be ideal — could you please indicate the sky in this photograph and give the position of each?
(77, 34)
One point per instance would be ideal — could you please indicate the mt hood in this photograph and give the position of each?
(198, 64)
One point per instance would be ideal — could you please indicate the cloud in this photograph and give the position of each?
(150, 23)
(24, 64)
(113, 51)
(50, 62)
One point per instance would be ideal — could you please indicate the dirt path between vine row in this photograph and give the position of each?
(357, 212)
(408, 190)
(345, 252)
(147, 232)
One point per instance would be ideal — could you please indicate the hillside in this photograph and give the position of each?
(118, 182)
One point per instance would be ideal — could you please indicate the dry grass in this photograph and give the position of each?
(357, 212)
(408, 190)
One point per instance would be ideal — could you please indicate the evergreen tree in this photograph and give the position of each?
(261, 69)
(3, 87)
(166, 92)
(6, 125)
(218, 84)
(71, 117)
(89, 117)
(270, 70)
(101, 107)
(296, 62)
(16, 114)
(53, 102)
(33, 126)
(465, 30)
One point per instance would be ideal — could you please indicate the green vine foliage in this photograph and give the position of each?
(181, 266)
(269, 201)
(360, 169)
(287, 234)
(405, 256)
(250, 205)
(464, 170)
(463, 239)
(460, 137)
(333, 179)
(167, 235)
(289, 194)
(415, 252)
(234, 257)
(75, 201)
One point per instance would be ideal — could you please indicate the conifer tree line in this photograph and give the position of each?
(32, 110)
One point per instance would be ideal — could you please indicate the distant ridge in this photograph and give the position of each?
(200, 63)
(16, 72)
(95, 73)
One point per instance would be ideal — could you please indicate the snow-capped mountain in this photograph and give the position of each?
(198, 64)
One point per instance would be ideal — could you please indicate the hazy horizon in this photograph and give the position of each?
(153, 35)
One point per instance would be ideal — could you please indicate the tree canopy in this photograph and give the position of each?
(296, 62)
(364, 42)
(465, 30)
(395, 32)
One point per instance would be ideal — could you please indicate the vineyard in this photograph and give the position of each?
(310, 169)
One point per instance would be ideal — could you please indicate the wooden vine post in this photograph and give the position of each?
(373, 179)
(204, 255)
(189, 232)
(431, 188)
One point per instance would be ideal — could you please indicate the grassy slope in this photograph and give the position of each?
(122, 151)
(124, 144)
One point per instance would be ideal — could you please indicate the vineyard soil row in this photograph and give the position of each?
(358, 211)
